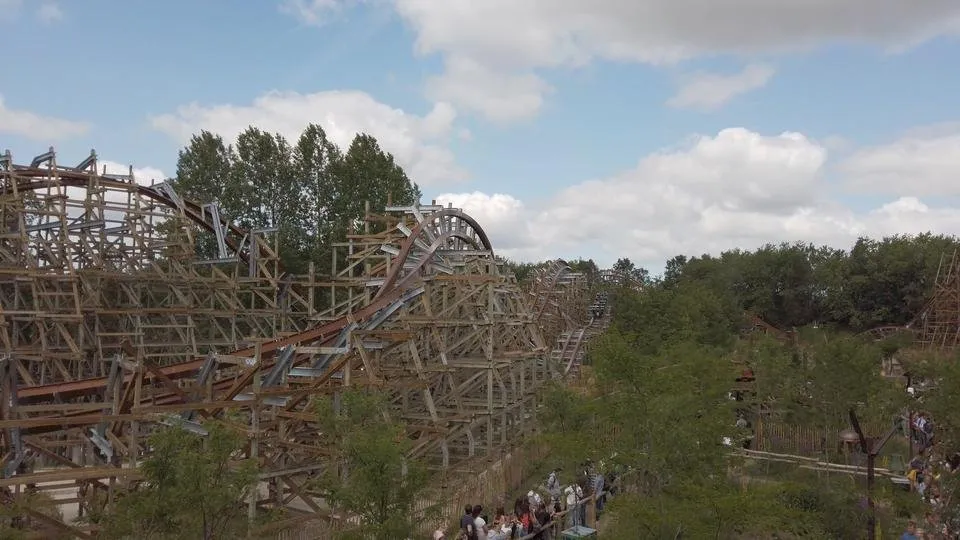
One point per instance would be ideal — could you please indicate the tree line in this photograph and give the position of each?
(312, 191)
(885, 282)
(876, 282)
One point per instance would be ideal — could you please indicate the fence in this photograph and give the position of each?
(493, 485)
(805, 440)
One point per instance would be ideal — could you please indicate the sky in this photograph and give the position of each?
(569, 128)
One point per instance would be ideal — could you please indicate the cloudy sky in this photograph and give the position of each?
(601, 128)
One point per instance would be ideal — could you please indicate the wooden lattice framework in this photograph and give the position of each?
(109, 325)
(939, 323)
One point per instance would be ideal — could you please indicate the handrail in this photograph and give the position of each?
(557, 519)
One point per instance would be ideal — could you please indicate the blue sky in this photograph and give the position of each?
(602, 129)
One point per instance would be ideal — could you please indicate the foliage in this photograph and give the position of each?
(374, 478)
(16, 524)
(662, 408)
(661, 316)
(938, 374)
(876, 283)
(665, 367)
(313, 193)
(626, 267)
(822, 380)
(524, 271)
(784, 510)
(193, 488)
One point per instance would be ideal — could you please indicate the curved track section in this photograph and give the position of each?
(55, 179)
(558, 297)
(568, 316)
(881, 333)
(111, 324)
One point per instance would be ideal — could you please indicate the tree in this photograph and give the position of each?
(368, 174)
(265, 171)
(674, 269)
(843, 373)
(373, 478)
(315, 159)
(626, 267)
(691, 313)
(877, 283)
(313, 193)
(205, 174)
(586, 267)
(193, 488)
(523, 271)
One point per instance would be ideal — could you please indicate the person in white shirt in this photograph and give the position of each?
(553, 485)
(479, 524)
(534, 499)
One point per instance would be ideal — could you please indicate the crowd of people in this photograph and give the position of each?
(537, 514)
(925, 474)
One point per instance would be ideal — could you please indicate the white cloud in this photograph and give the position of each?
(144, 176)
(502, 217)
(311, 12)
(417, 142)
(36, 127)
(501, 97)
(512, 39)
(736, 189)
(921, 163)
(709, 91)
(49, 13)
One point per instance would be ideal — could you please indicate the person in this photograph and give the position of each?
(479, 524)
(439, 535)
(466, 523)
(534, 498)
(911, 532)
(500, 528)
(553, 484)
(542, 515)
(574, 494)
(598, 485)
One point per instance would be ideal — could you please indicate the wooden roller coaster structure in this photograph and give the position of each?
(937, 326)
(110, 324)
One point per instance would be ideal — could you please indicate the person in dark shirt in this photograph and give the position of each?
(542, 516)
(466, 521)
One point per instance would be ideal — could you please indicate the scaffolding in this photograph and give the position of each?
(938, 326)
(111, 325)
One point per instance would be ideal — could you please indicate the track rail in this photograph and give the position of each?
(46, 177)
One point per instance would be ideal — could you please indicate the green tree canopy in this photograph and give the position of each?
(875, 283)
(193, 488)
(312, 192)
(373, 477)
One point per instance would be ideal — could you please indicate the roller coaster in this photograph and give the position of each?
(111, 323)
